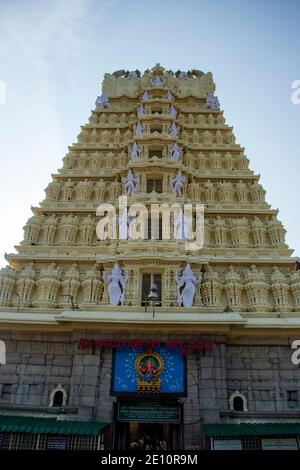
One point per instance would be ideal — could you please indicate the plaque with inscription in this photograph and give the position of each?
(57, 443)
(149, 411)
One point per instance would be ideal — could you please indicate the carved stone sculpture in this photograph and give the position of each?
(186, 287)
(173, 130)
(139, 130)
(172, 111)
(102, 101)
(177, 184)
(141, 111)
(146, 96)
(257, 289)
(70, 286)
(130, 184)
(175, 152)
(117, 285)
(48, 285)
(233, 288)
(280, 290)
(25, 285)
(212, 102)
(7, 284)
(135, 152)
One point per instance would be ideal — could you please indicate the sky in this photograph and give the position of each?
(53, 55)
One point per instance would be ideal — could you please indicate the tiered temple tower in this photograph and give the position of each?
(157, 126)
(158, 138)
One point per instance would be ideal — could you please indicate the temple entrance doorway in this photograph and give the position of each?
(147, 436)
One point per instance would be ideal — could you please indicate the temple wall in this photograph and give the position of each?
(37, 363)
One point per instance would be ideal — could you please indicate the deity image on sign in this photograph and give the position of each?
(186, 287)
(130, 184)
(117, 285)
(102, 101)
(149, 366)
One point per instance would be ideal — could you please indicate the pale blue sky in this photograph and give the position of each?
(53, 55)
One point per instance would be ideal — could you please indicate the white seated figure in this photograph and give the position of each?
(212, 102)
(132, 75)
(175, 152)
(169, 96)
(102, 101)
(183, 76)
(146, 96)
(172, 111)
(186, 287)
(141, 111)
(117, 285)
(173, 130)
(177, 184)
(139, 130)
(130, 184)
(156, 81)
(135, 152)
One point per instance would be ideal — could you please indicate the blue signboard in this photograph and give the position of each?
(158, 371)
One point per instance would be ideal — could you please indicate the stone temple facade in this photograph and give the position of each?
(70, 300)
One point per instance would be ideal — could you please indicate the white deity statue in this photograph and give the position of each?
(177, 184)
(172, 111)
(175, 152)
(186, 287)
(132, 75)
(183, 76)
(173, 130)
(139, 130)
(141, 111)
(102, 101)
(117, 285)
(146, 96)
(212, 102)
(169, 96)
(156, 81)
(130, 184)
(135, 152)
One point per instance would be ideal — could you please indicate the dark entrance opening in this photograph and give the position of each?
(58, 398)
(148, 423)
(148, 436)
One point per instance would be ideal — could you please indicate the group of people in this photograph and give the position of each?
(147, 443)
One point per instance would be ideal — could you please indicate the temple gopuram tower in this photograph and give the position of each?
(152, 335)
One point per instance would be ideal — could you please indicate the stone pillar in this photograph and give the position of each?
(169, 290)
(32, 230)
(207, 393)
(7, 284)
(132, 289)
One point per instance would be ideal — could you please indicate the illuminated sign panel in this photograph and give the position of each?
(156, 371)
